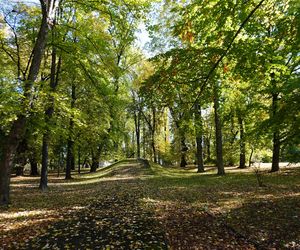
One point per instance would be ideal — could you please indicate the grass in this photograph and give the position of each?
(179, 199)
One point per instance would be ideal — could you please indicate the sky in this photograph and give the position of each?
(20, 1)
(143, 38)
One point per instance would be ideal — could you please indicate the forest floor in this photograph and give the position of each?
(132, 206)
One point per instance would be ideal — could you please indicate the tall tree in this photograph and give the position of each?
(15, 135)
(54, 78)
(199, 138)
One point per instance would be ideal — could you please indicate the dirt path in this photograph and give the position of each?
(120, 220)
(113, 221)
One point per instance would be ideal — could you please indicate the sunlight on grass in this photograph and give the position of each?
(23, 214)
(163, 190)
(18, 220)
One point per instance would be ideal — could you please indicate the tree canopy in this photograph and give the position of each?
(221, 86)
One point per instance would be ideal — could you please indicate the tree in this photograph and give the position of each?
(15, 135)
(54, 78)
(199, 138)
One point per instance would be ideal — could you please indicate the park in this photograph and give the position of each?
(149, 124)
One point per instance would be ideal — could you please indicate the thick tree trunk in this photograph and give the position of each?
(242, 143)
(218, 131)
(10, 144)
(11, 141)
(5, 171)
(199, 129)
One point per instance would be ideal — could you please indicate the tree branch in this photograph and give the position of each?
(226, 51)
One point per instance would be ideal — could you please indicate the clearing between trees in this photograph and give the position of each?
(132, 205)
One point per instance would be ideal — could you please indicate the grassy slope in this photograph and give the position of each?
(268, 216)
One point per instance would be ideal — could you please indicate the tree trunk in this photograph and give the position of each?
(183, 150)
(153, 127)
(137, 123)
(33, 166)
(95, 162)
(153, 150)
(218, 131)
(44, 171)
(183, 147)
(199, 129)
(10, 145)
(207, 140)
(242, 143)
(11, 141)
(250, 157)
(70, 155)
(5, 171)
(183, 162)
(96, 157)
(276, 153)
(22, 154)
(84, 162)
(70, 150)
(79, 160)
(200, 164)
(276, 136)
(144, 141)
(48, 117)
(95, 165)
(73, 160)
(61, 162)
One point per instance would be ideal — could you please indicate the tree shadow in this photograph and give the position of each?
(273, 223)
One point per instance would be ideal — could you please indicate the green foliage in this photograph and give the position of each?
(9, 107)
(261, 61)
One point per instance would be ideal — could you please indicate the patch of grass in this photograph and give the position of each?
(263, 215)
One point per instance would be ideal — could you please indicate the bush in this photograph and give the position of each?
(292, 154)
(266, 158)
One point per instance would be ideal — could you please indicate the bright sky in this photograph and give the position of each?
(20, 1)
(143, 38)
